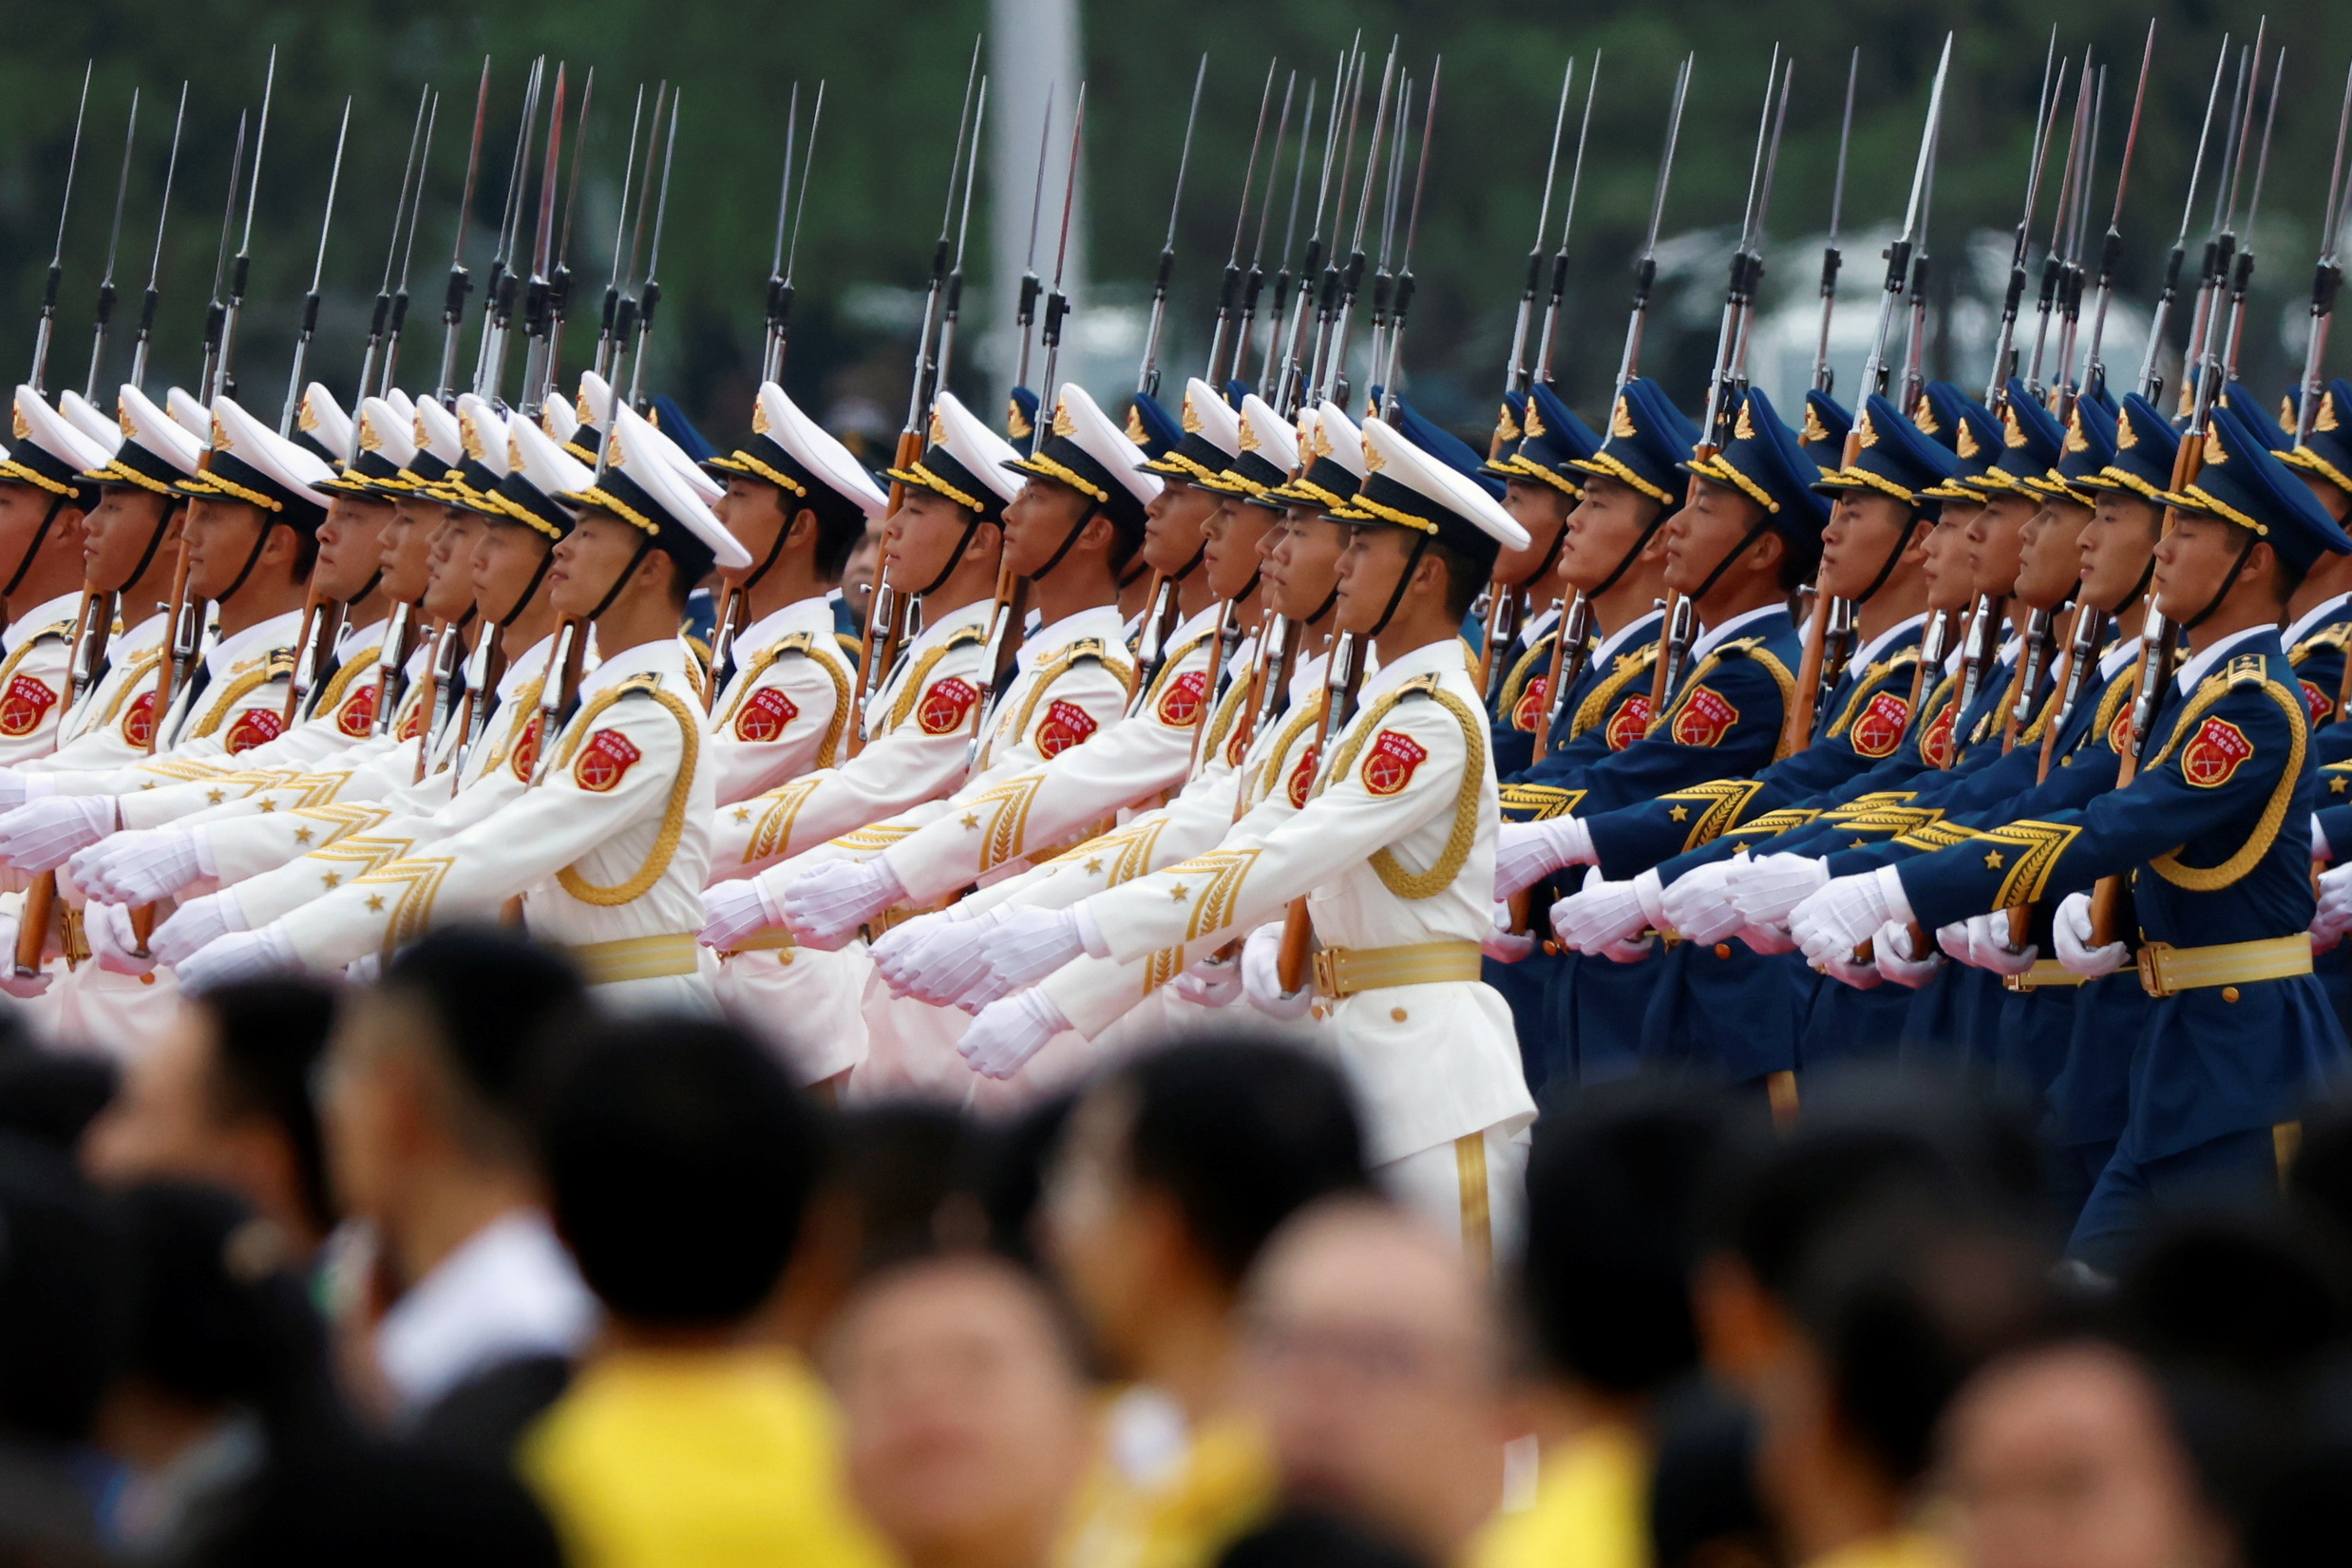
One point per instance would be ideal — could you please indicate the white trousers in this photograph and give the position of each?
(1472, 1189)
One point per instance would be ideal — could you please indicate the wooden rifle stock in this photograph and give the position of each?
(1796, 731)
(32, 924)
(724, 629)
(2081, 655)
(1339, 692)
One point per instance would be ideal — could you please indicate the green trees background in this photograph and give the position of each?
(895, 70)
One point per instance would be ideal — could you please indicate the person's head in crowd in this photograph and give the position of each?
(1613, 1183)
(225, 1097)
(1172, 1173)
(1376, 1362)
(62, 1293)
(965, 1410)
(679, 1161)
(1307, 1538)
(887, 1170)
(225, 1353)
(51, 1096)
(384, 1505)
(428, 1089)
(2062, 1454)
(1005, 1166)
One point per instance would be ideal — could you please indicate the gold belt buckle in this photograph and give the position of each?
(1327, 971)
(2152, 977)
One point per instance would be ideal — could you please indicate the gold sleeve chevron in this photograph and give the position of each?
(1935, 835)
(1538, 803)
(1721, 804)
(416, 884)
(774, 830)
(1213, 903)
(1782, 820)
(2038, 845)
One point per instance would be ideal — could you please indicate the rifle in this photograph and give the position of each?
(2071, 278)
(2111, 247)
(2040, 626)
(1560, 258)
(1269, 372)
(1327, 283)
(952, 308)
(1254, 282)
(1024, 311)
(155, 267)
(391, 664)
(379, 321)
(2081, 657)
(539, 295)
(310, 300)
(1832, 257)
(1229, 288)
(1644, 275)
(1389, 376)
(2326, 278)
(923, 386)
(1340, 683)
(650, 292)
(460, 281)
(2221, 247)
(498, 294)
(607, 331)
(1384, 282)
(2149, 384)
(1934, 644)
(559, 282)
(624, 328)
(399, 318)
(240, 265)
(779, 302)
(114, 240)
(561, 689)
(2242, 278)
(1290, 390)
(1147, 374)
(46, 328)
(1515, 371)
(441, 673)
(1334, 375)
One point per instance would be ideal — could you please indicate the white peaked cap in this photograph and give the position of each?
(643, 468)
(481, 433)
(1391, 459)
(966, 462)
(385, 426)
(814, 448)
(1337, 438)
(403, 402)
(322, 419)
(87, 419)
(439, 443)
(1268, 434)
(157, 452)
(49, 453)
(188, 413)
(557, 420)
(253, 462)
(1084, 449)
(595, 403)
(538, 471)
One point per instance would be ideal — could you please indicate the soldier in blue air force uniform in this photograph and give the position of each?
(2213, 835)
(1541, 490)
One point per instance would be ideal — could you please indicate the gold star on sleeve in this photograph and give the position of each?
(375, 903)
(1992, 860)
(1679, 813)
(332, 879)
(302, 835)
(1179, 892)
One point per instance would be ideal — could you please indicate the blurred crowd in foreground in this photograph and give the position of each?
(452, 1271)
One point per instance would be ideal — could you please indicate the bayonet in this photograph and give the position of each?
(2045, 122)
(318, 268)
(217, 312)
(2071, 279)
(1915, 343)
(772, 344)
(2221, 243)
(625, 339)
(559, 282)
(1253, 283)
(1515, 372)
(1057, 303)
(2244, 277)
(2327, 279)
(1722, 396)
(1327, 282)
(607, 331)
(922, 386)
(1824, 377)
(1756, 243)
(1646, 265)
(1899, 253)
(240, 265)
(1568, 224)
(1024, 311)
(952, 308)
(1334, 376)
(498, 294)
(2111, 247)
(1413, 227)
(2054, 260)
(649, 293)
(2150, 385)
(155, 265)
(1384, 282)
(114, 242)
(407, 253)
(460, 281)
(1290, 386)
(1269, 371)
(380, 321)
(1229, 287)
(539, 295)
(47, 330)
(1147, 374)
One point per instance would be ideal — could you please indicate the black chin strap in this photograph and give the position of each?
(1894, 557)
(1658, 520)
(253, 558)
(1396, 595)
(644, 548)
(546, 558)
(2228, 582)
(773, 551)
(1072, 539)
(40, 537)
(954, 558)
(155, 542)
(1753, 533)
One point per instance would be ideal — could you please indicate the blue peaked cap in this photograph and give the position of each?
(1445, 446)
(1896, 457)
(1764, 462)
(2241, 482)
(1649, 440)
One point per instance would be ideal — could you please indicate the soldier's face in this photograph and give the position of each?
(1951, 582)
(406, 548)
(1996, 540)
(222, 536)
(505, 560)
(753, 512)
(449, 568)
(1368, 569)
(2194, 561)
(590, 562)
(1542, 510)
(1865, 527)
(351, 545)
(2114, 548)
(1038, 520)
(918, 539)
(2334, 501)
(1606, 523)
(2053, 554)
(22, 509)
(1302, 561)
(1702, 536)
(1234, 532)
(118, 531)
(1173, 525)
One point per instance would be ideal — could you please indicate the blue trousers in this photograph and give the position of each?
(2237, 1169)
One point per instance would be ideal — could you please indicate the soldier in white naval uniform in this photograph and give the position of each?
(44, 498)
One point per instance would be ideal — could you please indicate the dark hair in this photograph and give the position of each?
(60, 1295)
(841, 523)
(1242, 1134)
(494, 997)
(1800, 562)
(679, 1158)
(384, 1505)
(1124, 540)
(1613, 1183)
(1465, 577)
(2290, 576)
(51, 1096)
(267, 1038)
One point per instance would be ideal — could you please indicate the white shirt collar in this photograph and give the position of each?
(2201, 662)
(1444, 656)
(522, 671)
(66, 607)
(263, 636)
(1715, 636)
(1102, 622)
(1536, 628)
(809, 615)
(1204, 620)
(2311, 619)
(509, 1289)
(1871, 650)
(2124, 651)
(664, 656)
(370, 635)
(1637, 626)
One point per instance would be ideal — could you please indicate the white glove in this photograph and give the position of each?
(936, 959)
(1767, 940)
(30, 986)
(732, 911)
(2072, 930)
(1989, 949)
(38, 835)
(1953, 940)
(113, 943)
(1501, 943)
(1526, 853)
(1262, 976)
(11, 789)
(1891, 947)
(1026, 945)
(1764, 888)
(1598, 914)
(194, 926)
(244, 955)
(1009, 1031)
(1841, 967)
(1213, 982)
(1699, 905)
(141, 866)
(827, 904)
(1629, 950)
(2334, 916)
(1847, 913)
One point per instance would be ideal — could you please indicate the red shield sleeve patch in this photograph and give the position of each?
(23, 705)
(944, 706)
(254, 727)
(1180, 703)
(764, 714)
(356, 717)
(1303, 778)
(1390, 761)
(526, 760)
(2214, 753)
(1935, 746)
(1629, 723)
(2320, 703)
(1705, 717)
(1528, 710)
(1878, 729)
(1066, 724)
(138, 719)
(604, 761)
(2119, 730)
(413, 724)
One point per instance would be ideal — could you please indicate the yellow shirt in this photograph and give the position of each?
(697, 1459)
(1168, 1498)
(1591, 1509)
(1896, 1549)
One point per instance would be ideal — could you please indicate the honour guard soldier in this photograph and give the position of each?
(2212, 834)
(1541, 489)
(2316, 629)
(607, 846)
